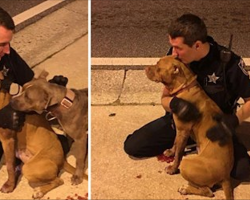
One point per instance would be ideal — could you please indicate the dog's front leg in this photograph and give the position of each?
(81, 155)
(179, 146)
(8, 142)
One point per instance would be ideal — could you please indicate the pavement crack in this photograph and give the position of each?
(58, 51)
(118, 101)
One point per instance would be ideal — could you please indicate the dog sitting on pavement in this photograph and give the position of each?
(214, 161)
(68, 106)
(37, 146)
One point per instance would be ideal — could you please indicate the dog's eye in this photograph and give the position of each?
(26, 97)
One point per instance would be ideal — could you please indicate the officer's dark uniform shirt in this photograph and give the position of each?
(15, 68)
(210, 76)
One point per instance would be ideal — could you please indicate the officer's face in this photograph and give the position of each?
(184, 52)
(5, 38)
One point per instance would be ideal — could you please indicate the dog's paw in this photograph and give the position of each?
(76, 180)
(168, 153)
(7, 187)
(37, 194)
(183, 190)
(203, 191)
(171, 170)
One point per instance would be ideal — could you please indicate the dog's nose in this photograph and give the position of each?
(147, 69)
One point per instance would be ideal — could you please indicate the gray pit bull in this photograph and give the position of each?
(69, 106)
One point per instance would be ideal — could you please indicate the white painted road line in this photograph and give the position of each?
(123, 61)
(18, 19)
(132, 61)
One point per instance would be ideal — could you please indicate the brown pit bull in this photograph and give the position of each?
(69, 106)
(40, 151)
(214, 161)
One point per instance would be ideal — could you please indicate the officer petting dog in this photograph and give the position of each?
(14, 69)
(220, 72)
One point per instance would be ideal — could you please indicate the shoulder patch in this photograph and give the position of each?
(242, 66)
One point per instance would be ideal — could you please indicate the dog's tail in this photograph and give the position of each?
(68, 167)
(220, 132)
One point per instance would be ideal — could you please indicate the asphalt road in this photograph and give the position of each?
(137, 28)
(15, 7)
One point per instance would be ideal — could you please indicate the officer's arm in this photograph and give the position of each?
(20, 69)
(166, 99)
(244, 112)
(185, 111)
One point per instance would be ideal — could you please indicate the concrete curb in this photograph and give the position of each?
(32, 15)
(131, 63)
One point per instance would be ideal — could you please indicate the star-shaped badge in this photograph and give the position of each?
(5, 71)
(213, 78)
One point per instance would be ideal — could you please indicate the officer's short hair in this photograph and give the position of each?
(6, 20)
(190, 27)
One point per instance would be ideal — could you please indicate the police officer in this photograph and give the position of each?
(15, 69)
(223, 78)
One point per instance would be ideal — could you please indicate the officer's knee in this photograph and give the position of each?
(129, 147)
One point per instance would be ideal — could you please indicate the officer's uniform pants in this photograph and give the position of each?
(157, 136)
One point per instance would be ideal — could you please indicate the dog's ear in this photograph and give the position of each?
(43, 74)
(173, 56)
(176, 69)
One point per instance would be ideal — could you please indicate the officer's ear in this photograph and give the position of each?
(197, 44)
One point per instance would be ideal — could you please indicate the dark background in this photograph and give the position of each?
(138, 28)
(15, 7)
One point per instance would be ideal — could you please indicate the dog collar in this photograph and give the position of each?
(68, 99)
(184, 87)
(66, 103)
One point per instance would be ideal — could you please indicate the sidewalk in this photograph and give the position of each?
(123, 101)
(59, 44)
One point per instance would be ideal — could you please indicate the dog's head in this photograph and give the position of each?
(35, 96)
(171, 72)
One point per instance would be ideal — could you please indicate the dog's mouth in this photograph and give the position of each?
(164, 83)
(150, 73)
(154, 77)
(14, 105)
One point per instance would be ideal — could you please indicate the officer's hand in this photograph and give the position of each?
(231, 121)
(60, 80)
(185, 110)
(5, 84)
(11, 119)
(165, 92)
